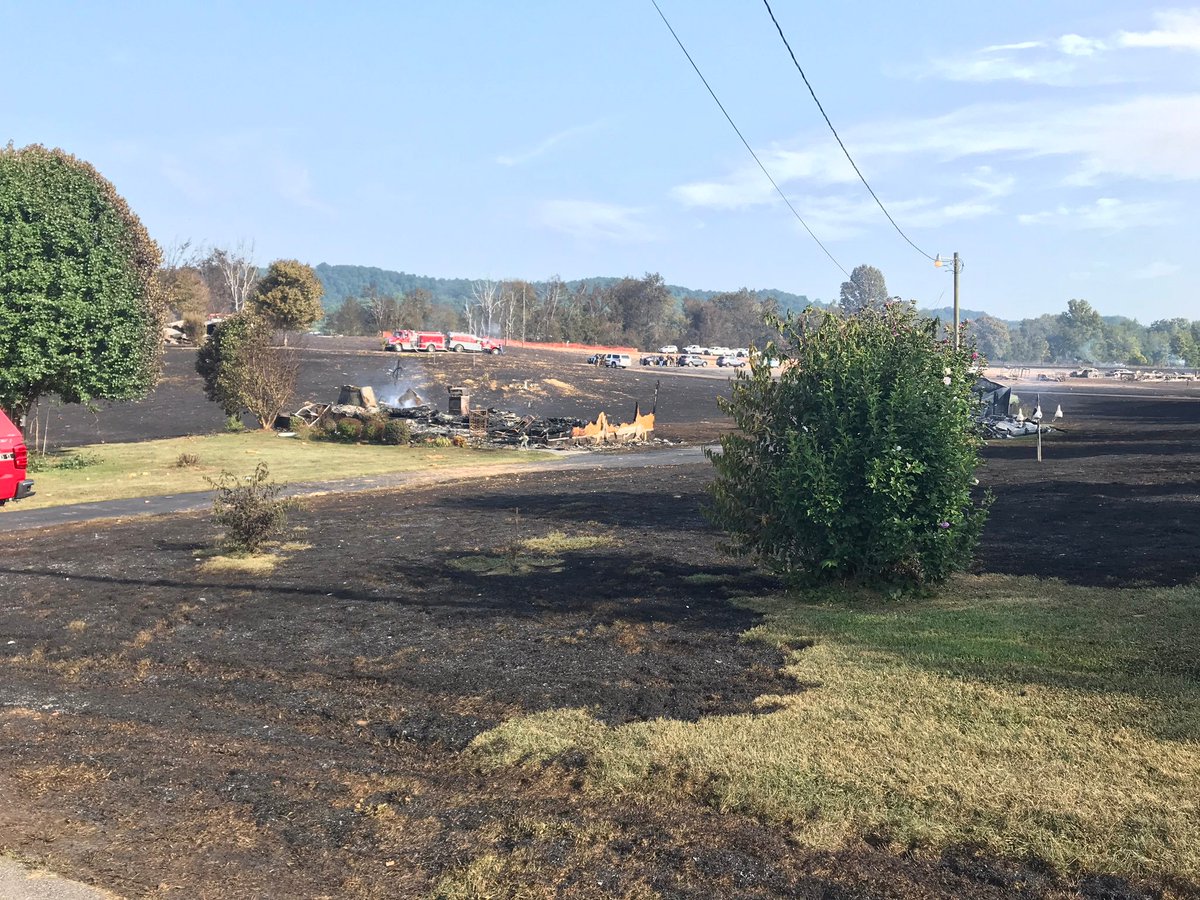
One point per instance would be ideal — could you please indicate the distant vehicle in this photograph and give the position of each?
(410, 339)
(1086, 373)
(694, 350)
(458, 341)
(692, 360)
(719, 351)
(669, 348)
(732, 362)
(616, 361)
(1122, 373)
(742, 352)
(659, 360)
(14, 459)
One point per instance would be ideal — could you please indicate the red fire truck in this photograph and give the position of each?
(14, 458)
(408, 339)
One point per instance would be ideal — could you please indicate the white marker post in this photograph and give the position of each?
(1037, 420)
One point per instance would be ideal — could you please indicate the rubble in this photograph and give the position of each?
(497, 427)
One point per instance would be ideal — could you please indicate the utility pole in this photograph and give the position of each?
(956, 270)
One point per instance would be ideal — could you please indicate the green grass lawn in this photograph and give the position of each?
(1031, 718)
(151, 468)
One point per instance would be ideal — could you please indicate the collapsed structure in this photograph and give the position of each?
(493, 426)
(994, 416)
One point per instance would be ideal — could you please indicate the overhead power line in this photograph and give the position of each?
(861, 178)
(729, 119)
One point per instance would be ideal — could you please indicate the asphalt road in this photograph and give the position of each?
(14, 518)
(20, 883)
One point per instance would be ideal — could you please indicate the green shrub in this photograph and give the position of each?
(375, 426)
(63, 462)
(250, 510)
(396, 432)
(234, 424)
(350, 430)
(858, 462)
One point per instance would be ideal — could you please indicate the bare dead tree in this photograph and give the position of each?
(553, 293)
(486, 295)
(238, 271)
(267, 378)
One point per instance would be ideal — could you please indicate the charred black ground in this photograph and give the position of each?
(169, 731)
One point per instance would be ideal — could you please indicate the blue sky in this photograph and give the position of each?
(1055, 145)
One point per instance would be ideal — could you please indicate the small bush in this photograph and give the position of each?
(459, 441)
(65, 462)
(350, 430)
(374, 430)
(234, 425)
(186, 461)
(858, 462)
(396, 432)
(442, 441)
(250, 510)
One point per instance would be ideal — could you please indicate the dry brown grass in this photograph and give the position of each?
(1032, 719)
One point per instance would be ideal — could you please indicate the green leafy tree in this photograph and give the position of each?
(81, 312)
(1079, 329)
(857, 463)
(992, 337)
(866, 289)
(350, 318)
(244, 371)
(289, 296)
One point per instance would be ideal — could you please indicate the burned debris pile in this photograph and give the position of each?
(492, 426)
(996, 416)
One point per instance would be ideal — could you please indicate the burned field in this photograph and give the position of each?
(542, 383)
(175, 729)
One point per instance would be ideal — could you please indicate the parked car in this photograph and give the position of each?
(733, 362)
(14, 460)
(668, 348)
(616, 361)
(691, 359)
(693, 350)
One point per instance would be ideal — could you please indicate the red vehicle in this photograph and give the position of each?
(408, 339)
(14, 458)
(460, 341)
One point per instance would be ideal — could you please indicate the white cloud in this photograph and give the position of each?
(986, 180)
(1022, 45)
(1144, 138)
(1155, 137)
(1078, 45)
(1106, 214)
(747, 186)
(293, 182)
(1177, 30)
(595, 221)
(1157, 269)
(990, 67)
(546, 145)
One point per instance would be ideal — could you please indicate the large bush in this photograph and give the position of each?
(857, 463)
(81, 313)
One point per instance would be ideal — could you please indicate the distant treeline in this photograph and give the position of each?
(646, 312)
(357, 281)
(640, 312)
